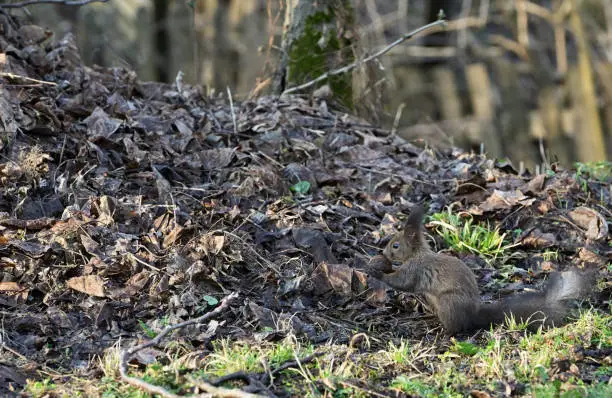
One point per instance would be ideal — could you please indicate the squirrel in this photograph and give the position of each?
(449, 286)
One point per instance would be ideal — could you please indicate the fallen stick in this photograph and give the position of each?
(127, 354)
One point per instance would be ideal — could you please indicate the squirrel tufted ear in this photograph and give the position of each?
(414, 223)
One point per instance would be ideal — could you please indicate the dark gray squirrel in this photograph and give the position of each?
(450, 288)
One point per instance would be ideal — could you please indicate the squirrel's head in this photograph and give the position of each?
(407, 243)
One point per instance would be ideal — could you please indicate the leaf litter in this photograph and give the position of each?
(124, 202)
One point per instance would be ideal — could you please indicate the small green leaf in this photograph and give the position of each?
(148, 331)
(301, 187)
(541, 371)
(210, 300)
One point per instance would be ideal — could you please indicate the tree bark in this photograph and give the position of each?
(316, 38)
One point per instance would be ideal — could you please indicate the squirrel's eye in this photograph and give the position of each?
(396, 245)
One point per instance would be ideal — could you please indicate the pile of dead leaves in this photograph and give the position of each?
(123, 202)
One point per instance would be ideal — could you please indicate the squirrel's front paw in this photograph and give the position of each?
(378, 266)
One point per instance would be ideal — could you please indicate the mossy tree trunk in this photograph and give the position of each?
(317, 37)
(590, 143)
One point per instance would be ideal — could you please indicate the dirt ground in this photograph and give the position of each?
(128, 203)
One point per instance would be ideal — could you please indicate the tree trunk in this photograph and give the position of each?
(162, 40)
(316, 39)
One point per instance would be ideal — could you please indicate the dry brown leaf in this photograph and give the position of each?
(538, 239)
(14, 291)
(547, 266)
(335, 276)
(536, 184)
(92, 285)
(592, 222)
(216, 158)
(172, 236)
(137, 282)
(212, 244)
(68, 226)
(505, 200)
(591, 258)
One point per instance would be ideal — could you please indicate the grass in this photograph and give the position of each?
(228, 357)
(464, 235)
(529, 360)
(601, 171)
(40, 388)
(546, 363)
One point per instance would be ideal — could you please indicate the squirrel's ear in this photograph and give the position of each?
(414, 223)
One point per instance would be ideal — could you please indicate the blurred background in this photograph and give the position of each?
(530, 81)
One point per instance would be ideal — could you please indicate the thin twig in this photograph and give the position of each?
(126, 355)
(142, 262)
(231, 101)
(289, 364)
(13, 76)
(360, 62)
(65, 2)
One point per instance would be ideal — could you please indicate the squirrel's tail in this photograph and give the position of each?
(548, 307)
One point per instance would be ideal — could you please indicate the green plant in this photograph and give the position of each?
(413, 386)
(229, 358)
(601, 171)
(300, 188)
(550, 255)
(147, 330)
(40, 388)
(465, 348)
(464, 235)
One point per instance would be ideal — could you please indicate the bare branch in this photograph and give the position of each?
(360, 62)
(126, 355)
(64, 2)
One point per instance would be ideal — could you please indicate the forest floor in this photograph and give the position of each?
(128, 207)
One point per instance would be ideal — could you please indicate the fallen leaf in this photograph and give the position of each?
(505, 200)
(535, 185)
(592, 222)
(10, 287)
(92, 285)
(538, 239)
(137, 283)
(313, 241)
(216, 158)
(547, 266)
(15, 294)
(591, 258)
(337, 277)
(210, 243)
(100, 125)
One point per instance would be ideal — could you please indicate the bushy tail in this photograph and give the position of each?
(548, 307)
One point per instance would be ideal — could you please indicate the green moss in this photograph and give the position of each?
(311, 55)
